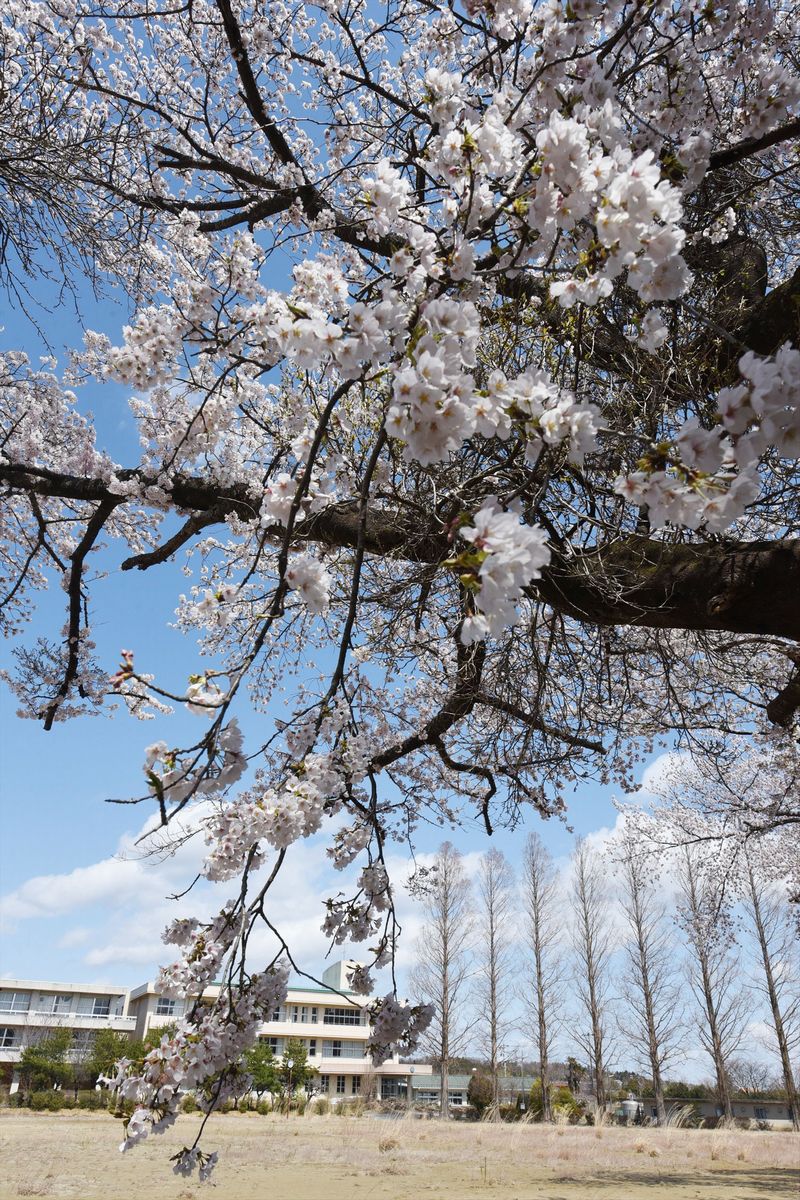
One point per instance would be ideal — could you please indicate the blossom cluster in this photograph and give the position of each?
(173, 778)
(396, 1026)
(199, 1056)
(505, 557)
(204, 948)
(707, 477)
(276, 817)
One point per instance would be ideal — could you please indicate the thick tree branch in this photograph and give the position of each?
(741, 587)
(738, 587)
(751, 146)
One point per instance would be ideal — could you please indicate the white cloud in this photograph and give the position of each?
(78, 936)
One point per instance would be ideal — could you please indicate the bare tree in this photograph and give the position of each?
(714, 973)
(653, 996)
(545, 998)
(776, 935)
(592, 944)
(495, 962)
(443, 961)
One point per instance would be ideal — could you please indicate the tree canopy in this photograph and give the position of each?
(464, 359)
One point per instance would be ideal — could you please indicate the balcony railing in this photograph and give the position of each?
(64, 1017)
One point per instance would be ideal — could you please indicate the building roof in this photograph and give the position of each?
(42, 985)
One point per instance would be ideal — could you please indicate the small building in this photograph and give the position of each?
(425, 1087)
(747, 1109)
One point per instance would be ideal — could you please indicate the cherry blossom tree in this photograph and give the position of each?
(510, 446)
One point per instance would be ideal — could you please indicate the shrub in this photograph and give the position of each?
(50, 1101)
(188, 1103)
(562, 1102)
(264, 1107)
(322, 1106)
(479, 1092)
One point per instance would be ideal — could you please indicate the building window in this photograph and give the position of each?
(312, 1047)
(336, 1049)
(341, 1084)
(761, 1114)
(83, 1039)
(356, 1085)
(324, 1083)
(343, 1016)
(393, 1088)
(101, 1006)
(15, 1001)
(274, 1044)
(165, 1007)
(55, 1003)
(314, 1015)
(8, 1037)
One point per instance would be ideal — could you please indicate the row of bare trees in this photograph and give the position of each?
(609, 958)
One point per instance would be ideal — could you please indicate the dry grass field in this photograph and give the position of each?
(346, 1158)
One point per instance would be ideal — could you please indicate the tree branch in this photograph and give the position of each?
(751, 146)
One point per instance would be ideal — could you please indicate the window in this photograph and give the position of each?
(83, 1039)
(165, 1007)
(94, 1006)
(15, 1001)
(356, 1085)
(343, 1016)
(336, 1048)
(312, 1047)
(761, 1114)
(274, 1044)
(341, 1083)
(314, 1015)
(324, 1083)
(55, 1003)
(393, 1088)
(303, 1014)
(8, 1037)
(276, 1014)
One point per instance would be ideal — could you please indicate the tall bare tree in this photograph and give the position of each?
(444, 959)
(544, 998)
(654, 1007)
(776, 937)
(592, 945)
(714, 973)
(495, 962)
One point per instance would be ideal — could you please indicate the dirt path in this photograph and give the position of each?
(331, 1158)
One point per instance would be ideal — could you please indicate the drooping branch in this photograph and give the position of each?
(93, 529)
